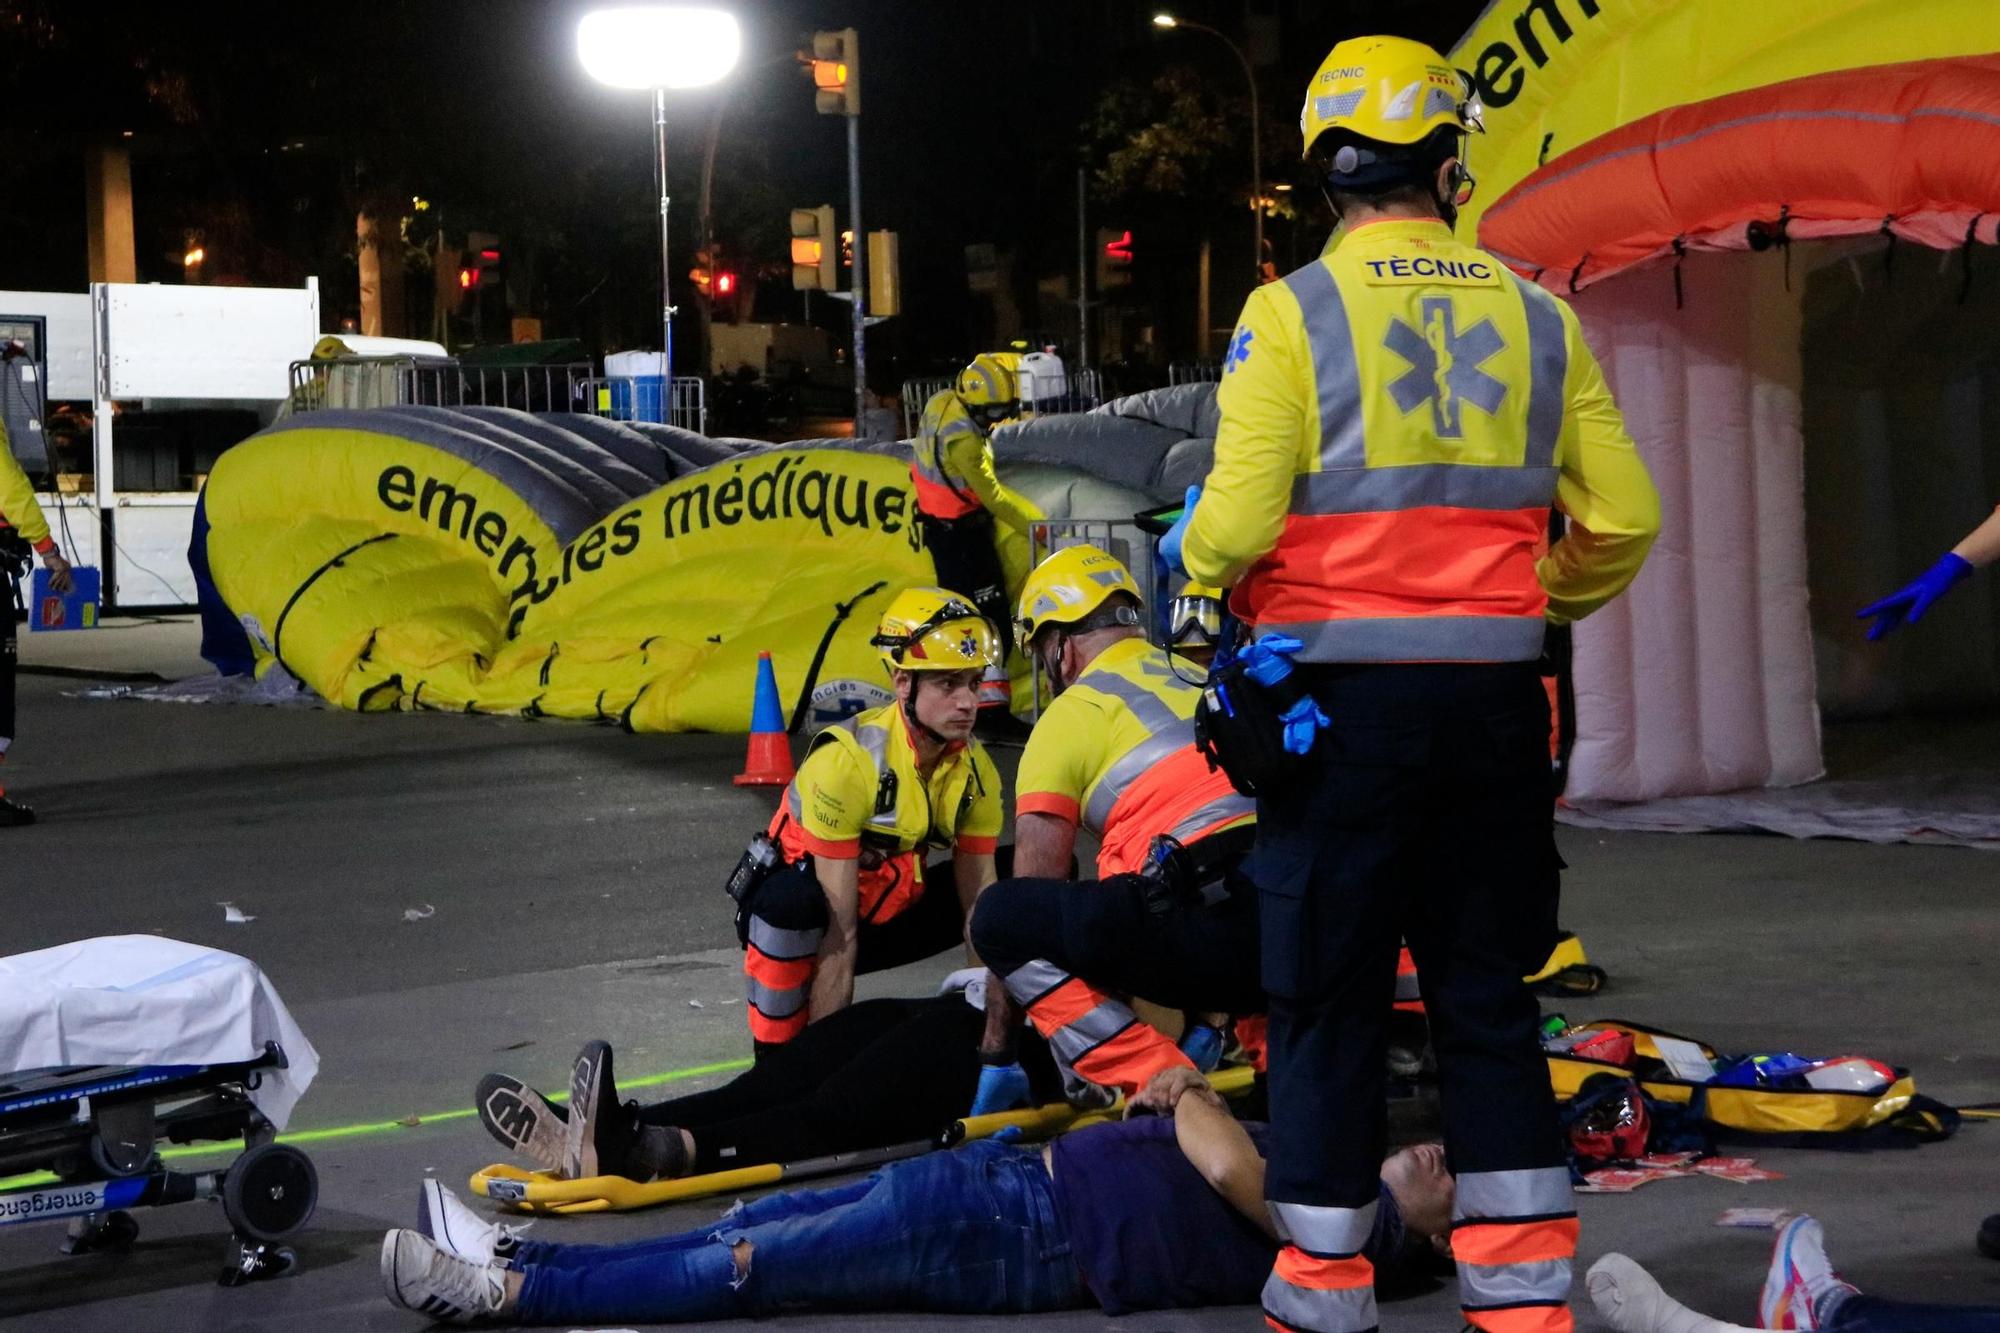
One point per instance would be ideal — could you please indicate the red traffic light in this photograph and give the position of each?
(493, 256)
(725, 284)
(1120, 250)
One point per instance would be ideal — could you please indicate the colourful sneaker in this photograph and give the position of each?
(419, 1274)
(1801, 1277)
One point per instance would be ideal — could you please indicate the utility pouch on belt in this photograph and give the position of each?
(1171, 879)
(16, 556)
(760, 858)
(1238, 727)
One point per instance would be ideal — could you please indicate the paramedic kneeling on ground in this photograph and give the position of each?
(1169, 919)
(845, 889)
(1396, 420)
(1159, 1211)
(24, 534)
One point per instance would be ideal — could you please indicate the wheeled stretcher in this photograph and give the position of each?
(112, 1048)
(96, 1130)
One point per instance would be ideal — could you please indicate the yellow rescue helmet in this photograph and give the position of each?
(1068, 586)
(1388, 89)
(932, 629)
(992, 380)
(1194, 617)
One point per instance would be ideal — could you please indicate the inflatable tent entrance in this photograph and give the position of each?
(1776, 223)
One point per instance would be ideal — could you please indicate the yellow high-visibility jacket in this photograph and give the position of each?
(953, 467)
(1397, 419)
(18, 508)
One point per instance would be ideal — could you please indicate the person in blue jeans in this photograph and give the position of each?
(1152, 1212)
(1802, 1290)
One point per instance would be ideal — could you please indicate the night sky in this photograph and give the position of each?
(265, 127)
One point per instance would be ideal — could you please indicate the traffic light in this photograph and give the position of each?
(847, 249)
(815, 250)
(725, 283)
(479, 265)
(1114, 258)
(885, 281)
(836, 71)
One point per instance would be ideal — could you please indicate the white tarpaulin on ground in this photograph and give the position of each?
(142, 1000)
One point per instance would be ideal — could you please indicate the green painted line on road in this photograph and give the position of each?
(309, 1136)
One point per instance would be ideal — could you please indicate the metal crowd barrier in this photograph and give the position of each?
(394, 381)
(1122, 538)
(624, 398)
(1083, 389)
(1198, 372)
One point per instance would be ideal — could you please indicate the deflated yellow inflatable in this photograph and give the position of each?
(484, 560)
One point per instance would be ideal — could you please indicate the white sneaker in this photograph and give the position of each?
(420, 1276)
(458, 1230)
(1800, 1277)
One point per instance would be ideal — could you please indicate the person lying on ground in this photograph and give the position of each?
(874, 1074)
(1152, 1212)
(1800, 1291)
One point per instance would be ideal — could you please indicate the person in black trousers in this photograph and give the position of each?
(877, 1073)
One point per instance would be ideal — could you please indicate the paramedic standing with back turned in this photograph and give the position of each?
(23, 530)
(1397, 419)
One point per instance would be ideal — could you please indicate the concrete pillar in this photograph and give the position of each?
(107, 193)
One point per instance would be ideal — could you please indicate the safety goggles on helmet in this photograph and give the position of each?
(1194, 618)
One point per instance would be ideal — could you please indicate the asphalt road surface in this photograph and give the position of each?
(568, 882)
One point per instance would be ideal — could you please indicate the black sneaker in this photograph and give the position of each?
(523, 1119)
(13, 815)
(598, 1130)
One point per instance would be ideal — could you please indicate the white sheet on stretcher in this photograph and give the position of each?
(143, 1000)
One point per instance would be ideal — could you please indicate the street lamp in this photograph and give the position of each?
(1168, 21)
(660, 47)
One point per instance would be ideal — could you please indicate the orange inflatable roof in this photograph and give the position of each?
(1910, 149)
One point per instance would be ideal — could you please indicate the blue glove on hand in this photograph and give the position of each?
(1001, 1088)
(1269, 660)
(1170, 545)
(1203, 1045)
(1907, 605)
(1302, 722)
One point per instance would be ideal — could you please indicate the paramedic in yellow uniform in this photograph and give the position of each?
(849, 892)
(1114, 756)
(1397, 419)
(24, 533)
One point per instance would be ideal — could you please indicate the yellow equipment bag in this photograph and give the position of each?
(1750, 1110)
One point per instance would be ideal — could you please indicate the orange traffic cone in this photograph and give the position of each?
(770, 760)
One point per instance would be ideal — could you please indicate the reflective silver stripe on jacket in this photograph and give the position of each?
(874, 739)
(1375, 490)
(1230, 805)
(1338, 379)
(1416, 638)
(1548, 357)
(1167, 735)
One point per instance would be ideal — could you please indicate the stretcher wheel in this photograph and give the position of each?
(270, 1192)
(115, 1230)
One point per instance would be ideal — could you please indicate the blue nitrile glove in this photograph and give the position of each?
(1001, 1088)
(1008, 1134)
(1269, 659)
(1170, 545)
(1302, 722)
(1203, 1045)
(1907, 605)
